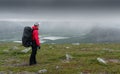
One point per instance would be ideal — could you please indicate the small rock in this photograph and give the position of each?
(101, 60)
(26, 50)
(20, 64)
(14, 48)
(57, 67)
(6, 51)
(68, 57)
(42, 71)
(65, 61)
(67, 47)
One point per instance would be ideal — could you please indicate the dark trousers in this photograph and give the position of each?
(33, 54)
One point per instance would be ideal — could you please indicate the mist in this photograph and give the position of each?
(81, 20)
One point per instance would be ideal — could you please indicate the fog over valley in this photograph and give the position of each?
(75, 31)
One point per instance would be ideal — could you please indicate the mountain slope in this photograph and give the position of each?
(103, 34)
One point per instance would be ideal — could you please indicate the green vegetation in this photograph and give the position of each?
(53, 58)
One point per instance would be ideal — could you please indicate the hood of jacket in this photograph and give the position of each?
(34, 27)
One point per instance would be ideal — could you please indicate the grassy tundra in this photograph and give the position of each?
(52, 57)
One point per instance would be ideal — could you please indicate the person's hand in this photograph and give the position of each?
(38, 47)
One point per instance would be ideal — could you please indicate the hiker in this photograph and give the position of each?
(35, 44)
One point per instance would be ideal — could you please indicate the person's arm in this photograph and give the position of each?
(37, 38)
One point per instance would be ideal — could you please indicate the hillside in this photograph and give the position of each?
(103, 34)
(61, 59)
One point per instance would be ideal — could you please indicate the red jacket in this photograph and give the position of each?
(35, 35)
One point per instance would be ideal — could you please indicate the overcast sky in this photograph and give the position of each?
(60, 10)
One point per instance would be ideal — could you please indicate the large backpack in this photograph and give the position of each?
(27, 36)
